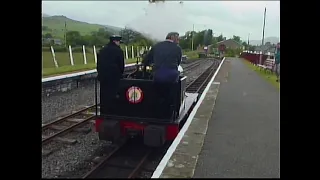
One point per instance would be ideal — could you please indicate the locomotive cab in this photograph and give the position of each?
(139, 109)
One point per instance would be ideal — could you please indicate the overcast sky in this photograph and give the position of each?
(227, 17)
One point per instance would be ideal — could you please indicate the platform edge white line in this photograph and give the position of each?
(157, 173)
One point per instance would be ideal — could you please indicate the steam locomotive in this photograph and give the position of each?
(141, 110)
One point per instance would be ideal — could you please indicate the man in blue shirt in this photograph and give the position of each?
(166, 57)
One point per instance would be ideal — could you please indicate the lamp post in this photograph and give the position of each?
(248, 41)
(262, 41)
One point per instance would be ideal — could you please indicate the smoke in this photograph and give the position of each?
(160, 19)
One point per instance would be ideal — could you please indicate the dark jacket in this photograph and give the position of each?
(166, 57)
(164, 54)
(110, 65)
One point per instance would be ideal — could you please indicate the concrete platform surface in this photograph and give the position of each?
(243, 137)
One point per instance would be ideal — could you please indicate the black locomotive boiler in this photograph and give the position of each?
(140, 109)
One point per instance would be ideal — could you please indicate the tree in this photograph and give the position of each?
(129, 35)
(207, 37)
(103, 33)
(198, 38)
(214, 42)
(185, 40)
(251, 48)
(74, 38)
(245, 44)
(236, 38)
(48, 35)
(220, 38)
(100, 37)
(87, 40)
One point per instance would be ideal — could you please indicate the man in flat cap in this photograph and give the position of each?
(110, 67)
(166, 57)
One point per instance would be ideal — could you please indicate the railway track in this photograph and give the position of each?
(199, 84)
(127, 161)
(191, 66)
(54, 130)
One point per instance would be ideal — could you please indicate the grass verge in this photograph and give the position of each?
(191, 54)
(268, 76)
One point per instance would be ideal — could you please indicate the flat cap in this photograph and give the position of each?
(115, 38)
(172, 34)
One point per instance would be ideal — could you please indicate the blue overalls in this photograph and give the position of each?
(166, 75)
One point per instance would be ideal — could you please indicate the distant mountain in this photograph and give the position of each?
(272, 40)
(114, 28)
(56, 25)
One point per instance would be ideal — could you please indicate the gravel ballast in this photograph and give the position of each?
(62, 103)
(68, 156)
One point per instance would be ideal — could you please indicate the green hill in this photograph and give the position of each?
(55, 26)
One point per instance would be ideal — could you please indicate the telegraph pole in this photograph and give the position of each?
(262, 41)
(192, 34)
(248, 41)
(65, 33)
(264, 25)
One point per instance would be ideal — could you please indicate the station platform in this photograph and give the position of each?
(234, 133)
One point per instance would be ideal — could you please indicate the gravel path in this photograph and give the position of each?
(72, 159)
